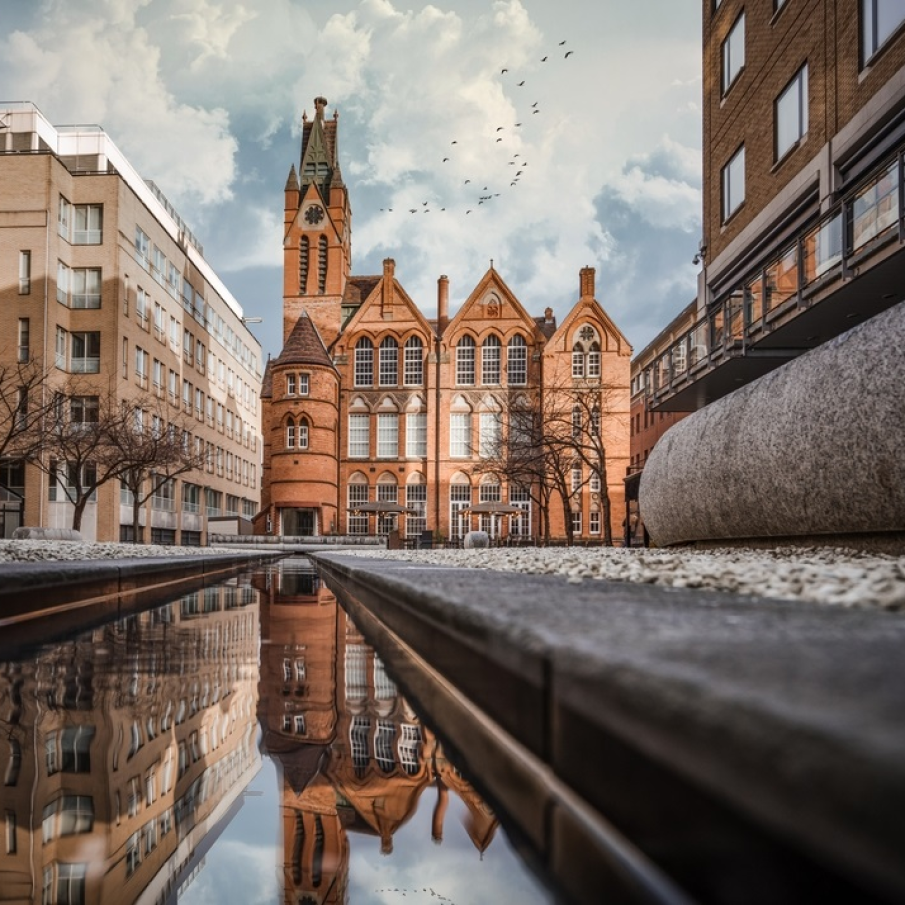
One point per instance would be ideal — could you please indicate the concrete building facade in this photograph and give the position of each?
(371, 404)
(107, 290)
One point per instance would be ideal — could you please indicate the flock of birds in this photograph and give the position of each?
(515, 160)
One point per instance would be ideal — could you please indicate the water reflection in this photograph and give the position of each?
(124, 747)
(126, 752)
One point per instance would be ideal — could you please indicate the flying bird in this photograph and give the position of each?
(561, 43)
(535, 111)
(499, 128)
(568, 54)
(467, 212)
(543, 59)
(533, 105)
(445, 159)
(503, 70)
(522, 82)
(518, 124)
(454, 142)
(499, 139)
(467, 181)
(413, 210)
(424, 203)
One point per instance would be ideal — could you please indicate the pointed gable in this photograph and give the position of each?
(386, 305)
(492, 303)
(588, 308)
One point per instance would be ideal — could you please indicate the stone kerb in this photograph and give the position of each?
(812, 448)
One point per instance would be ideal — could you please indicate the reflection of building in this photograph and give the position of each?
(804, 131)
(134, 310)
(353, 757)
(369, 401)
(135, 742)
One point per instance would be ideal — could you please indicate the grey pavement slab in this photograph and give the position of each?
(752, 748)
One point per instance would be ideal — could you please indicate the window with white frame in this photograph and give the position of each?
(576, 521)
(388, 363)
(24, 273)
(60, 348)
(594, 481)
(491, 353)
(594, 522)
(460, 434)
(465, 361)
(880, 20)
(733, 183)
(594, 361)
(416, 434)
(142, 248)
(459, 499)
(576, 422)
(303, 433)
(364, 362)
(359, 436)
(576, 477)
(388, 436)
(489, 434)
(791, 114)
(413, 362)
(87, 224)
(520, 525)
(304, 383)
(290, 433)
(24, 340)
(416, 498)
(577, 361)
(86, 352)
(517, 361)
(733, 53)
(290, 384)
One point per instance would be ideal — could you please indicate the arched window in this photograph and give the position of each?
(576, 421)
(322, 265)
(387, 492)
(413, 368)
(303, 433)
(577, 361)
(594, 360)
(490, 361)
(290, 434)
(358, 494)
(364, 362)
(517, 361)
(388, 365)
(586, 353)
(465, 355)
(303, 265)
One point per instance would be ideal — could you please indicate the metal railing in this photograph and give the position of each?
(869, 216)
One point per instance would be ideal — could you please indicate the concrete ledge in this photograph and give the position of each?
(36, 590)
(751, 749)
(812, 448)
(26, 533)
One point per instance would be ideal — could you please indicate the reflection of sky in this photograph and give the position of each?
(245, 865)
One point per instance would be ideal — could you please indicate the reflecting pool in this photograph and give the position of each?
(243, 744)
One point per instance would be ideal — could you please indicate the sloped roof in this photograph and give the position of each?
(548, 328)
(359, 288)
(304, 346)
(267, 381)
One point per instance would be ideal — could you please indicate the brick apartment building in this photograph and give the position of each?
(107, 289)
(803, 138)
(370, 402)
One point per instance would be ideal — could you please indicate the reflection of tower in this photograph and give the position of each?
(381, 759)
(298, 716)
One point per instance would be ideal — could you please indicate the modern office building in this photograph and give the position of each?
(803, 137)
(371, 405)
(106, 289)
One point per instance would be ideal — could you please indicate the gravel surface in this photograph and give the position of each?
(49, 550)
(827, 575)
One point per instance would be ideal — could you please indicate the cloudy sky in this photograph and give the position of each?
(205, 97)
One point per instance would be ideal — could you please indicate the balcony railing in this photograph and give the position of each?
(867, 218)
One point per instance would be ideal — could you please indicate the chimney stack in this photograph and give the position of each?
(586, 282)
(389, 287)
(548, 315)
(442, 304)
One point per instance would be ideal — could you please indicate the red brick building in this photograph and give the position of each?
(370, 402)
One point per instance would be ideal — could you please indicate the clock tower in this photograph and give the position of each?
(317, 233)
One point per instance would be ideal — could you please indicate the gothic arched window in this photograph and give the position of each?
(465, 355)
(322, 265)
(490, 361)
(517, 361)
(303, 265)
(364, 362)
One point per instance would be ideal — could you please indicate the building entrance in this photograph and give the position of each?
(299, 522)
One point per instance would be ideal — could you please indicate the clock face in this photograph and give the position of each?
(314, 214)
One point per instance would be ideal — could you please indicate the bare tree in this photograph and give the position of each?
(24, 404)
(554, 444)
(72, 445)
(151, 452)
